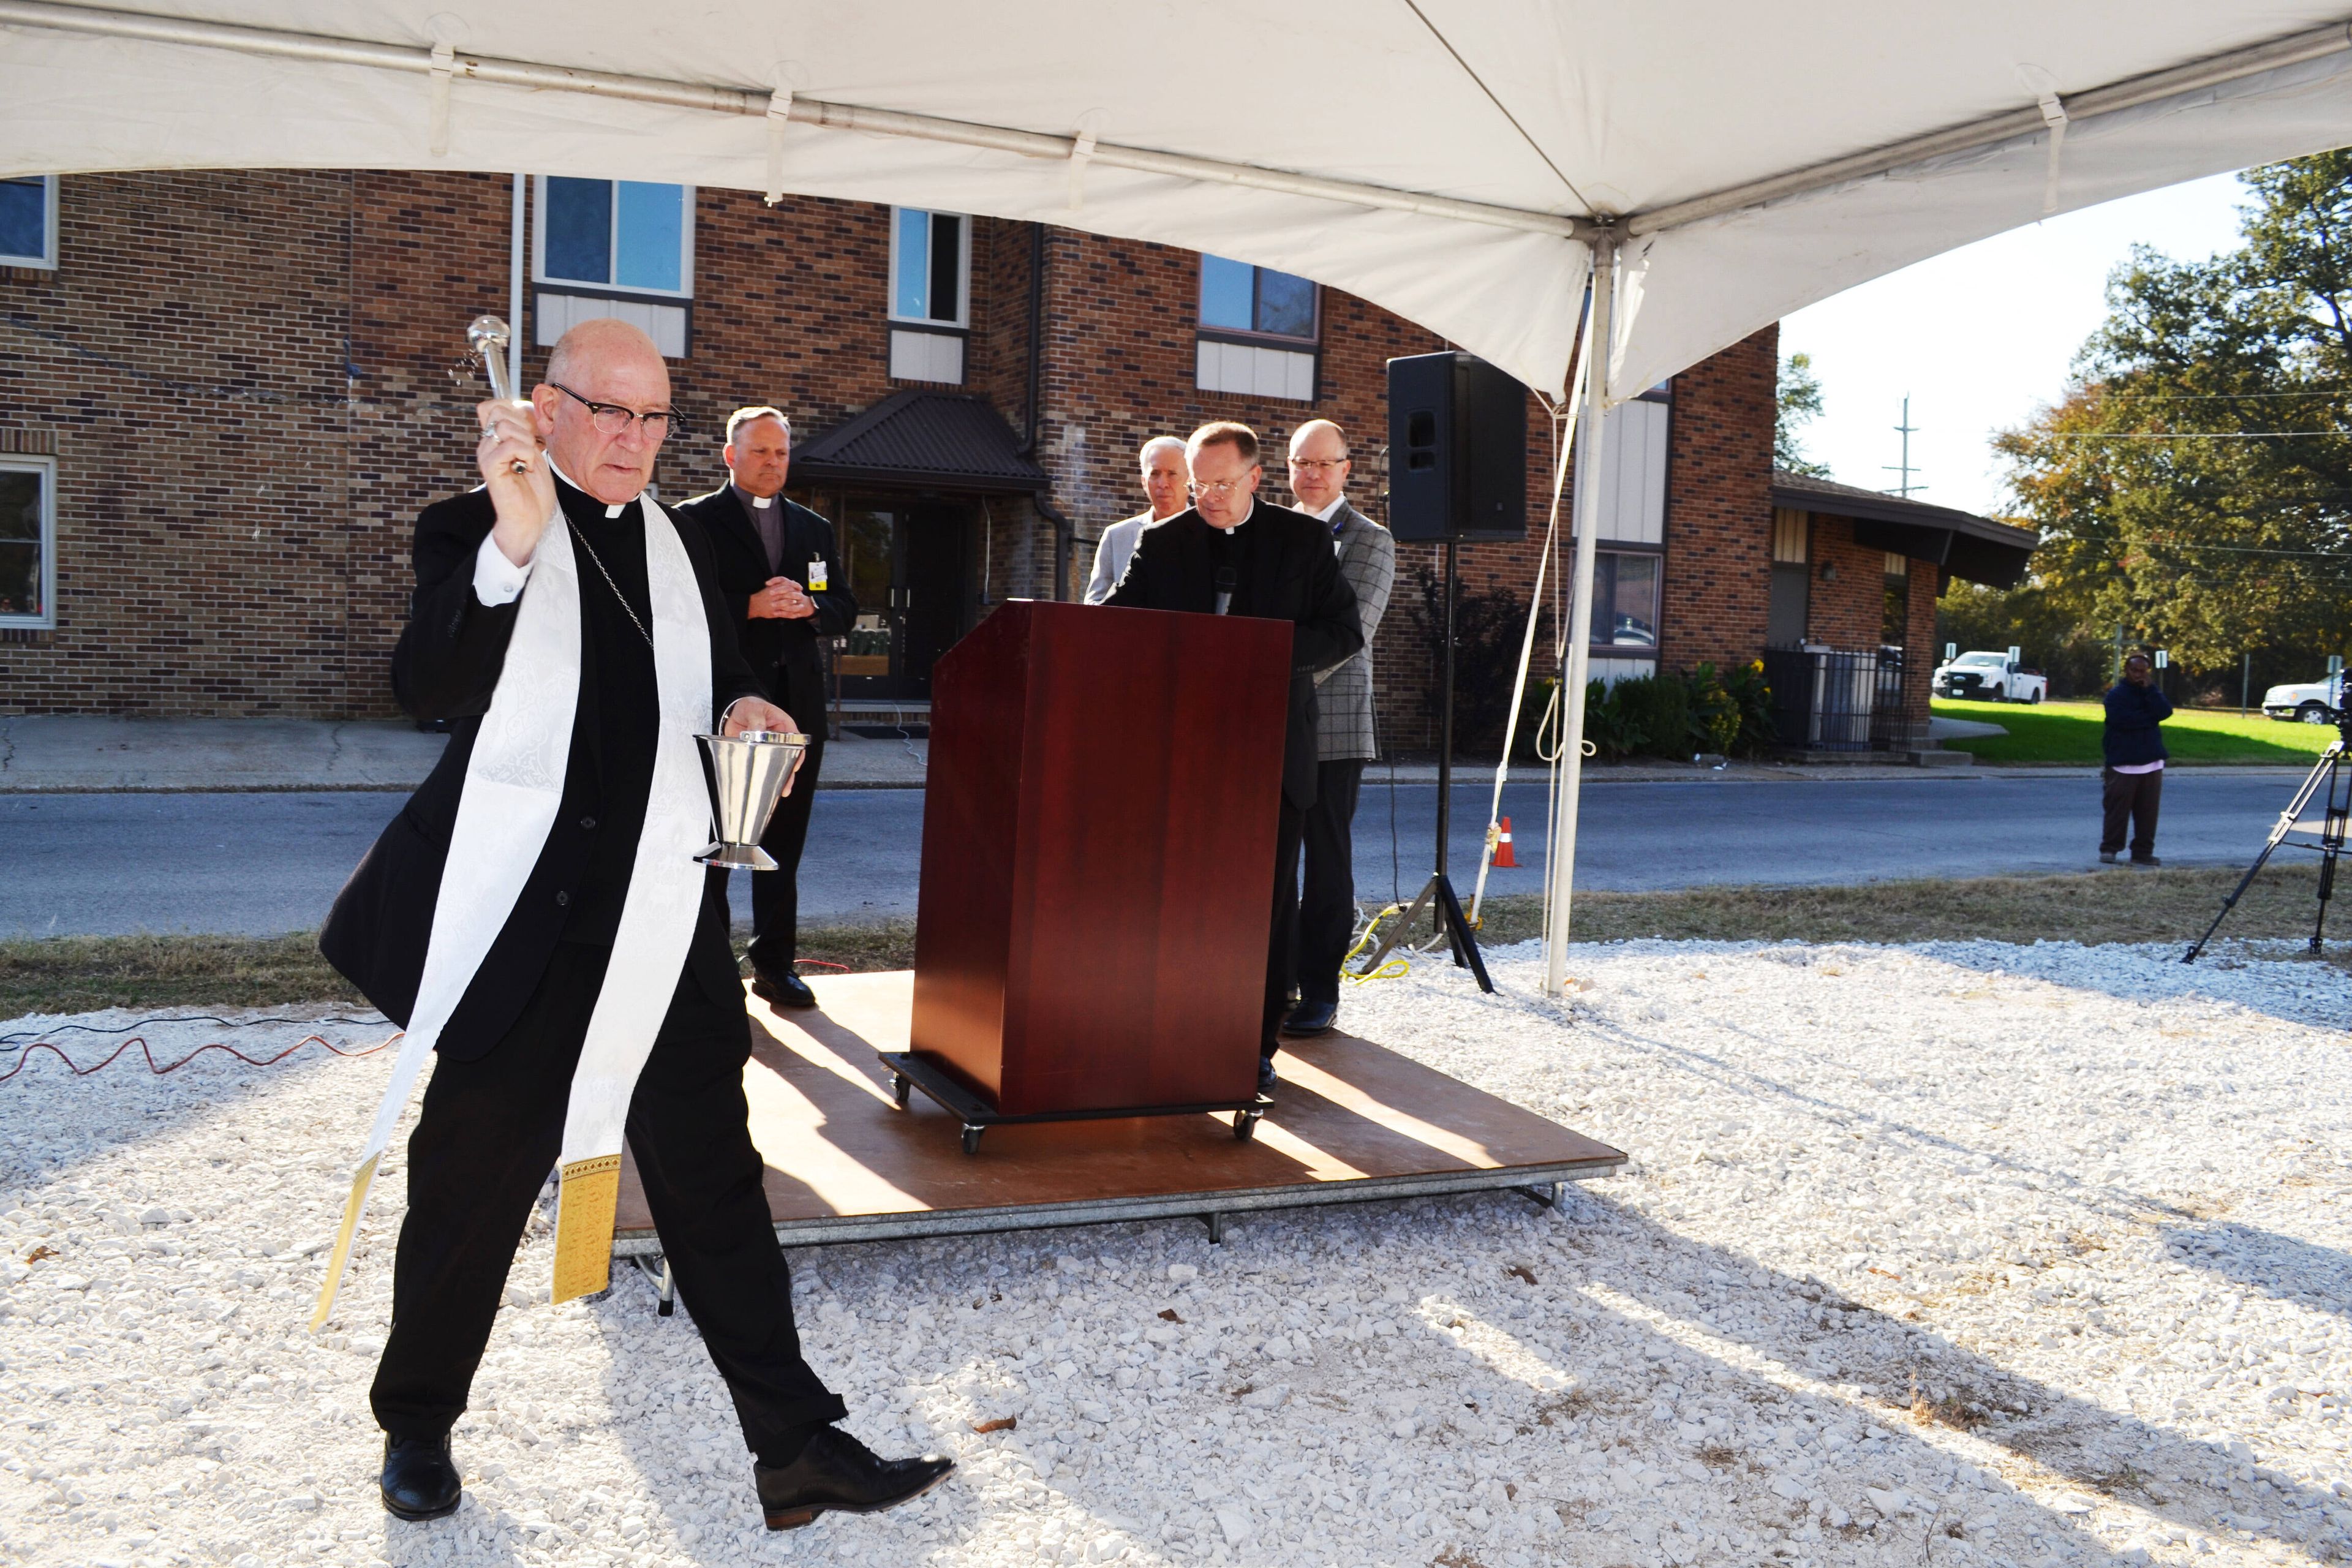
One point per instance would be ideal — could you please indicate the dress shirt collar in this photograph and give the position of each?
(1329, 512)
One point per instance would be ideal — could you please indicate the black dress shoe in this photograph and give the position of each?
(785, 990)
(1266, 1082)
(1311, 1018)
(836, 1471)
(420, 1480)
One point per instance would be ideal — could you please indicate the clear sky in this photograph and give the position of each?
(1980, 338)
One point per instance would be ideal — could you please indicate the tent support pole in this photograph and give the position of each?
(1560, 870)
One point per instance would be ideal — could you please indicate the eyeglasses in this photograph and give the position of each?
(1318, 465)
(1220, 489)
(612, 419)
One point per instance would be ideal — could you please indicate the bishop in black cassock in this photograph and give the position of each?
(494, 1113)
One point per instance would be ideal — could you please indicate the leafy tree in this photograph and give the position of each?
(1797, 405)
(2194, 485)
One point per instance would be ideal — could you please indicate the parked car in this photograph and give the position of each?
(1990, 678)
(2307, 704)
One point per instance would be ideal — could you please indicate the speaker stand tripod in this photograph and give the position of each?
(1437, 894)
(2330, 777)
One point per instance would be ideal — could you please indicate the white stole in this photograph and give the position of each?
(514, 783)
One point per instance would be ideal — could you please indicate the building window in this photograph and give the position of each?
(931, 294)
(623, 248)
(28, 534)
(1257, 331)
(624, 234)
(930, 267)
(1894, 617)
(1238, 297)
(1625, 600)
(1791, 587)
(28, 221)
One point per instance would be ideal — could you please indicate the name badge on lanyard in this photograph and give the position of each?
(817, 575)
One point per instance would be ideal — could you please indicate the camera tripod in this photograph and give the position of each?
(2330, 778)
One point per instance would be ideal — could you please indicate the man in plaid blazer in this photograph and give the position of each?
(1344, 740)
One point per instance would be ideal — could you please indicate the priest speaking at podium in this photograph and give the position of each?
(1234, 555)
(535, 913)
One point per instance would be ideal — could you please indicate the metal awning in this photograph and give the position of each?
(939, 440)
(1964, 544)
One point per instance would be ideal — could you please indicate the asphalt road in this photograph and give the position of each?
(257, 863)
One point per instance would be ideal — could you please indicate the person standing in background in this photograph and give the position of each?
(1164, 475)
(2132, 783)
(1343, 726)
(776, 565)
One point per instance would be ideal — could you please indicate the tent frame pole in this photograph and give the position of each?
(1560, 871)
(755, 101)
(2188, 77)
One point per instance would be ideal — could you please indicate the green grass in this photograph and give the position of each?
(74, 974)
(2107, 905)
(2069, 733)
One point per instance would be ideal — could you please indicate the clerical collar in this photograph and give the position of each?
(1236, 528)
(748, 499)
(611, 510)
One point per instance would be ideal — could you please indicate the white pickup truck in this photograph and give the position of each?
(1990, 678)
(2302, 704)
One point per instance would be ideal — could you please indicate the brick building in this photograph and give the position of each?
(227, 395)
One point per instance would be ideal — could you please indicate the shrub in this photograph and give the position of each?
(1715, 712)
(1659, 706)
(1752, 695)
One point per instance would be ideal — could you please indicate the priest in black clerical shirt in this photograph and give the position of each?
(783, 582)
(1234, 555)
(502, 1101)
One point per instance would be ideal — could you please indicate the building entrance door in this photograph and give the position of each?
(904, 562)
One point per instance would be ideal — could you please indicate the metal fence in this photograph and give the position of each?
(1825, 702)
(1890, 728)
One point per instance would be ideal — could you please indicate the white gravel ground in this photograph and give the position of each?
(1962, 1253)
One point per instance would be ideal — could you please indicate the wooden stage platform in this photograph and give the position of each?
(1352, 1122)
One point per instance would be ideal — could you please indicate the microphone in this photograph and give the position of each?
(1224, 588)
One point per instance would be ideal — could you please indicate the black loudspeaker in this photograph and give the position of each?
(1457, 450)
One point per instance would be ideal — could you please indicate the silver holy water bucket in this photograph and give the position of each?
(748, 774)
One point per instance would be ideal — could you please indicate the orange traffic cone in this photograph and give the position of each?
(1503, 857)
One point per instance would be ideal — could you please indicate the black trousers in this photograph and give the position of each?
(1282, 934)
(1326, 909)
(489, 1135)
(775, 895)
(2133, 798)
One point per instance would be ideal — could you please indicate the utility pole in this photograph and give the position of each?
(1907, 430)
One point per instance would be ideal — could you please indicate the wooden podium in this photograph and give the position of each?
(1097, 873)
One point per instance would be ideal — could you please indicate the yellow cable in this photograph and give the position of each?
(1392, 969)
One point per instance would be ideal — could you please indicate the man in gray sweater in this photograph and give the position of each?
(1344, 730)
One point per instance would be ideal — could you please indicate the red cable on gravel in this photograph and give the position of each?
(140, 1041)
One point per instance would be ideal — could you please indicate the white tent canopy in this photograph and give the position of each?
(1441, 158)
(1462, 163)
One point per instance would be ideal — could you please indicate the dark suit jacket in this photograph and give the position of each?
(740, 561)
(446, 665)
(1283, 569)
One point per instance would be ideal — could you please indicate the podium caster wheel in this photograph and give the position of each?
(902, 1088)
(972, 1139)
(1246, 1125)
